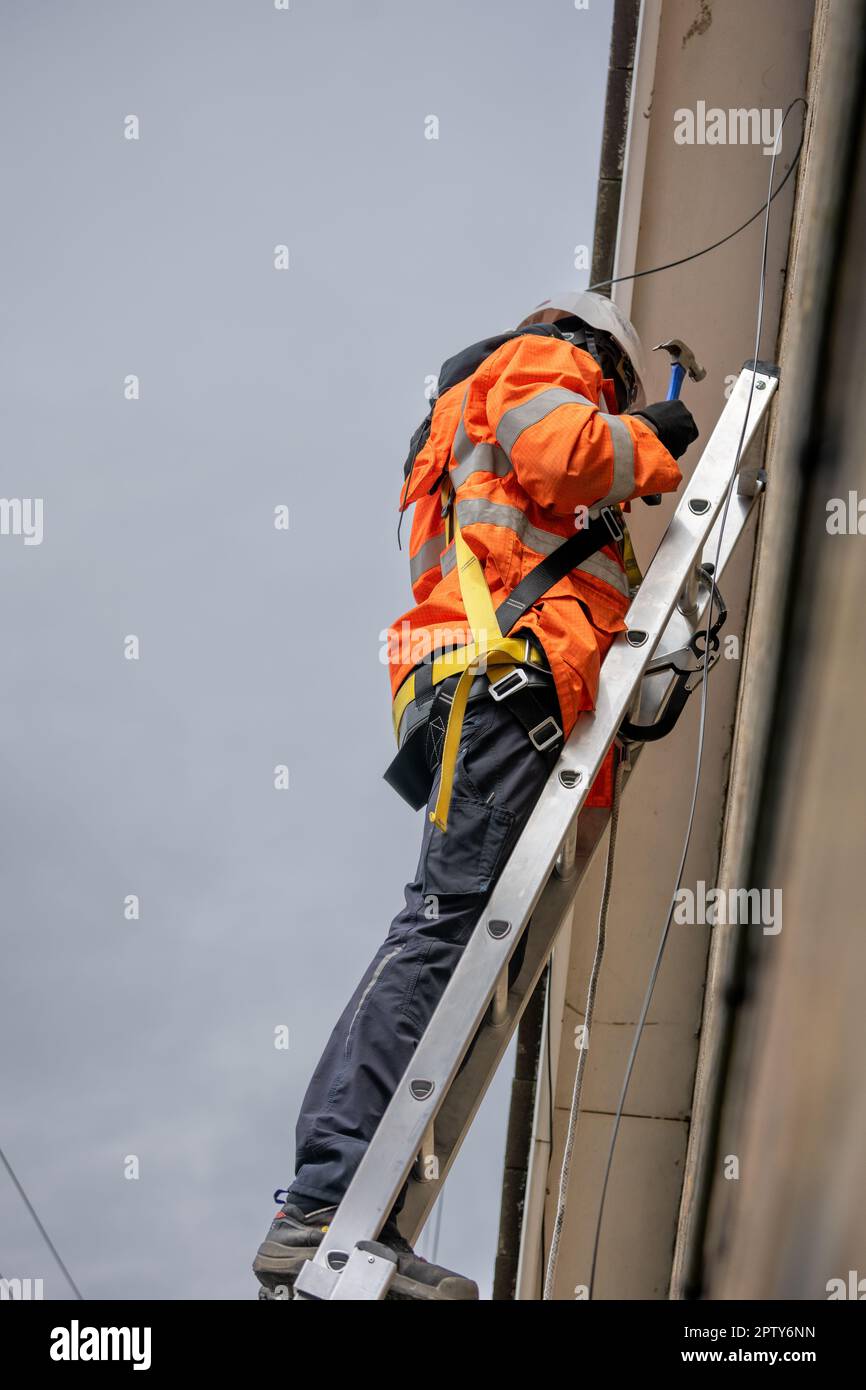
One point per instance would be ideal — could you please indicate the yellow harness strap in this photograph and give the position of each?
(451, 664)
(490, 651)
(487, 652)
(629, 559)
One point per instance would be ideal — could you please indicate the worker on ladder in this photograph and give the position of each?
(522, 571)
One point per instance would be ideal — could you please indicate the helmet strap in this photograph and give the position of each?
(613, 363)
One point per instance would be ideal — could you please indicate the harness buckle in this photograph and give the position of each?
(509, 684)
(612, 523)
(546, 741)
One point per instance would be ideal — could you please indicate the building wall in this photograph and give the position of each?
(740, 54)
(788, 1220)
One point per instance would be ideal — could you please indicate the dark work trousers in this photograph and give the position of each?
(498, 778)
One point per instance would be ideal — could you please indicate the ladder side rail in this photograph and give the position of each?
(469, 1087)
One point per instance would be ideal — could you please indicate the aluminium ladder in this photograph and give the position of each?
(436, 1100)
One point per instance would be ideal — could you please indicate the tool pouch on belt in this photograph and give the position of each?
(410, 773)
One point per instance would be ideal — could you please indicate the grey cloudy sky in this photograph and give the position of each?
(257, 647)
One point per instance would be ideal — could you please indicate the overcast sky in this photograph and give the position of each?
(154, 257)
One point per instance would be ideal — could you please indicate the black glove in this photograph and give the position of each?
(673, 423)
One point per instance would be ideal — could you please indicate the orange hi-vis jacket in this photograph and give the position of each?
(532, 452)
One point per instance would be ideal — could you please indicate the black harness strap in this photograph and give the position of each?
(604, 530)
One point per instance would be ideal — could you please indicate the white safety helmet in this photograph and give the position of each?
(601, 315)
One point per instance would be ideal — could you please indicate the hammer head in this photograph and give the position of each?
(681, 352)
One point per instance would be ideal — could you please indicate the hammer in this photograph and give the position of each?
(682, 361)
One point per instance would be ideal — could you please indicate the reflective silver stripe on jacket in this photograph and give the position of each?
(462, 446)
(483, 458)
(622, 483)
(601, 566)
(480, 510)
(522, 417)
(475, 458)
(427, 558)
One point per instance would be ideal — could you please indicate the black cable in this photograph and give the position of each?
(654, 973)
(546, 1026)
(46, 1237)
(669, 265)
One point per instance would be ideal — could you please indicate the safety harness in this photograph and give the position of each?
(505, 661)
(491, 652)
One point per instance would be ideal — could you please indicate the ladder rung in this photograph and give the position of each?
(426, 1164)
(499, 1002)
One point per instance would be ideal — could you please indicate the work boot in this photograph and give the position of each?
(295, 1235)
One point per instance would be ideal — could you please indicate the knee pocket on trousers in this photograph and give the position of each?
(466, 858)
